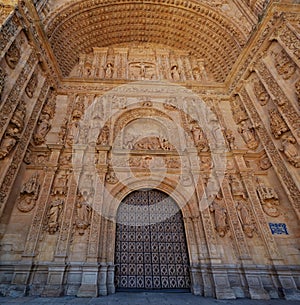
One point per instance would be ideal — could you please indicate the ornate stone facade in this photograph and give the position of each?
(150, 145)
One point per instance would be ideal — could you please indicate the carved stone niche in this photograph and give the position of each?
(268, 198)
(245, 217)
(277, 124)
(60, 182)
(29, 194)
(238, 111)
(289, 149)
(32, 84)
(248, 134)
(285, 66)
(83, 214)
(261, 93)
(53, 215)
(12, 56)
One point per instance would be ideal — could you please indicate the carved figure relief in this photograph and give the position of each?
(230, 139)
(284, 64)
(238, 111)
(103, 138)
(78, 109)
(12, 56)
(86, 186)
(9, 141)
(261, 93)
(277, 124)
(142, 70)
(245, 218)
(54, 215)
(289, 149)
(153, 143)
(199, 137)
(29, 194)
(268, 199)
(248, 135)
(220, 215)
(83, 215)
(111, 177)
(109, 70)
(31, 86)
(42, 129)
(175, 73)
(18, 118)
(265, 163)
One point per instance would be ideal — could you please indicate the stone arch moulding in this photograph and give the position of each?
(201, 30)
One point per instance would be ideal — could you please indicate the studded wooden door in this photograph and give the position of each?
(151, 250)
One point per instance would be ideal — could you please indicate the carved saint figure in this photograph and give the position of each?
(220, 216)
(199, 138)
(248, 135)
(53, 215)
(9, 141)
(237, 188)
(175, 74)
(289, 149)
(109, 70)
(268, 198)
(60, 183)
(244, 217)
(31, 86)
(103, 136)
(29, 194)
(83, 218)
(18, 118)
(230, 138)
(277, 124)
(42, 129)
(12, 56)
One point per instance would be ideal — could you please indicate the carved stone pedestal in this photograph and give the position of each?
(54, 286)
(196, 281)
(222, 285)
(89, 281)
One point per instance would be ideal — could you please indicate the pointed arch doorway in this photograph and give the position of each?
(151, 251)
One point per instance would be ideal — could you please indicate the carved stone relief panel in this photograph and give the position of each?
(284, 64)
(12, 56)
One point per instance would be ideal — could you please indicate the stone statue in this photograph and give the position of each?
(53, 215)
(83, 219)
(238, 111)
(18, 118)
(12, 56)
(261, 93)
(175, 74)
(31, 86)
(230, 139)
(60, 183)
(29, 194)
(268, 198)
(244, 217)
(199, 138)
(103, 136)
(42, 129)
(9, 141)
(237, 188)
(289, 149)
(248, 135)
(277, 124)
(78, 109)
(109, 70)
(220, 216)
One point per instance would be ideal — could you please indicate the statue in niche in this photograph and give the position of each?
(248, 135)
(103, 136)
(289, 149)
(199, 138)
(284, 65)
(78, 109)
(245, 218)
(199, 72)
(12, 56)
(29, 194)
(109, 70)
(83, 219)
(261, 93)
(237, 188)
(31, 86)
(175, 73)
(73, 133)
(277, 124)
(18, 118)
(9, 141)
(60, 183)
(53, 215)
(42, 129)
(238, 111)
(230, 139)
(142, 70)
(220, 215)
(268, 198)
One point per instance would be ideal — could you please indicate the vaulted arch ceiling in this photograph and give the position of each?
(78, 26)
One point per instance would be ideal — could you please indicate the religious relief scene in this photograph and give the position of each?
(150, 146)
